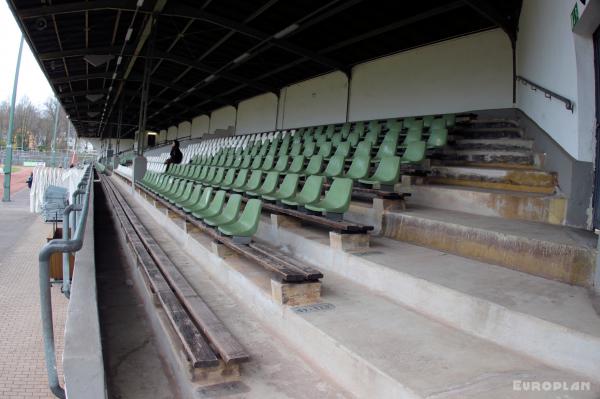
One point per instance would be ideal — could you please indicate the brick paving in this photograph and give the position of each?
(22, 366)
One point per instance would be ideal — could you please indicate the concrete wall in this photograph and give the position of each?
(316, 101)
(200, 126)
(471, 72)
(184, 129)
(549, 54)
(162, 136)
(172, 133)
(222, 121)
(257, 114)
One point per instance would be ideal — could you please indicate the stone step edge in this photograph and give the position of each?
(397, 287)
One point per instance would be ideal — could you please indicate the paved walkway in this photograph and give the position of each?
(18, 180)
(22, 367)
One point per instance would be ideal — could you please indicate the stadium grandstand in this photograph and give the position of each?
(374, 199)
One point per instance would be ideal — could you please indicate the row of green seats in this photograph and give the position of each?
(209, 205)
(270, 186)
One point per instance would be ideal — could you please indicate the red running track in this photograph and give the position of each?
(18, 181)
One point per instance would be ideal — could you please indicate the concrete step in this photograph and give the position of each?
(555, 252)
(492, 122)
(373, 345)
(516, 157)
(523, 180)
(505, 144)
(522, 313)
(474, 132)
(513, 205)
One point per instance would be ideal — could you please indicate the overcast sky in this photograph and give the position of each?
(32, 82)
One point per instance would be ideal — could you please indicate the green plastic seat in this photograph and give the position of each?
(215, 207)
(237, 161)
(268, 186)
(335, 166)
(229, 160)
(450, 120)
(336, 139)
(387, 172)
(438, 123)
(359, 127)
(284, 147)
(359, 168)
(287, 189)
(325, 149)
(297, 164)
(268, 163)
(282, 164)
(343, 149)
(414, 153)
(246, 225)
(336, 201)
(315, 164)
(253, 182)
(203, 173)
(309, 148)
(296, 149)
(413, 134)
(197, 172)
(202, 203)
(413, 123)
(373, 134)
(240, 179)
(246, 162)
(210, 175)
(353, 138)
(427, 120)
(437, 138)
(329, 131)
(172, 190)
(256, 162)
(219, 176)
(345, 130)
(229, 213)
(363, 148)
(229, 179)
(183, 191)
(310, 193)
(192, 199)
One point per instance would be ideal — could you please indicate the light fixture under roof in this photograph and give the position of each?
(96, 60)
(94, 97)
(241, 58)
(93, 114)
(286, 31)
(210, 78)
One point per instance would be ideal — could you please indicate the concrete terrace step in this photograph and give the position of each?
(505, 144)
(473, 132)
(517, 205)
(550, 321)
(493, 122)
(523, 157)
(535, 181)
(555, 252)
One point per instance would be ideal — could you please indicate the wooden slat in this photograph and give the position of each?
(228, 347)
(310, 273)
(198, 350)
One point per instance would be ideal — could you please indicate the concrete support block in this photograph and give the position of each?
(221, 250)
(176, 218)
(220, 374)
(381, 205)
(282, 221)
(296, 294)
(140, 164)
(349, 242)
(115, 162)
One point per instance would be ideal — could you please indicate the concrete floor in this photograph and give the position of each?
(134, 366)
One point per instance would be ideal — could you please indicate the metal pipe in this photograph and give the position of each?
(55, 246)
(9, 134)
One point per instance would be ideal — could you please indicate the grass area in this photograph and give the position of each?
(14, 169)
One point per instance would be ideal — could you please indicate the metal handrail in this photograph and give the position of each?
(570, 105)
(64, 246)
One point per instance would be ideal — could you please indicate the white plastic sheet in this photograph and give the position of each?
(45, 176)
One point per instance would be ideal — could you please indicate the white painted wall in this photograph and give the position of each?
(222, 120)
(551, 55)
(316, 101)
(200, 126)
(162, 136)
(172, 133)
(184, 129)
(257, 114)
(467, 73)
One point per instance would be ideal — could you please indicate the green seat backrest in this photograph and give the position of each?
(203, 173)
(325, 149)
(373, 125)
(222, 159)
(217, 203)
(268, 163)
(427, 121)
(315, 165)
(343, 149)
(285, 146)
(309, 149)
(413, 134)
(393, 124)
(336, 138)
(345, 130)
(254, 181)
(232, 208)
(204, 200)
(321, 139)
(289, 185)
(195, 196)
(237, 161)
(240, 179)
(297, 164)
(359, 127)
(270, 182)
(353, 138)
(438, 123)
(229, 160)
(229, 177)
(388, 170)
(450, 120)
(273, 147)
(197, 172)
(318, 130)
(250, 218)
(329, 131)
(415, 152)
(210, 175)
(256, 162)
(219, 176)
(359, 168)
(335, 166)
(363, 148)
(311, 191)
(386, 149)
(296, 149)
(338, 196)
(282, 163)
(246, 162)
(437, 138)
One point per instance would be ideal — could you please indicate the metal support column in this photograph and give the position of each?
(145, 92)
(9, 134)
(57, 112)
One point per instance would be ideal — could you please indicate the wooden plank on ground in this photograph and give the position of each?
(310, 273)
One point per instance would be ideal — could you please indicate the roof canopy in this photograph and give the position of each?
(207, 54)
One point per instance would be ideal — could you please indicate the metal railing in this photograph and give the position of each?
(80, 203)
(570, 105)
